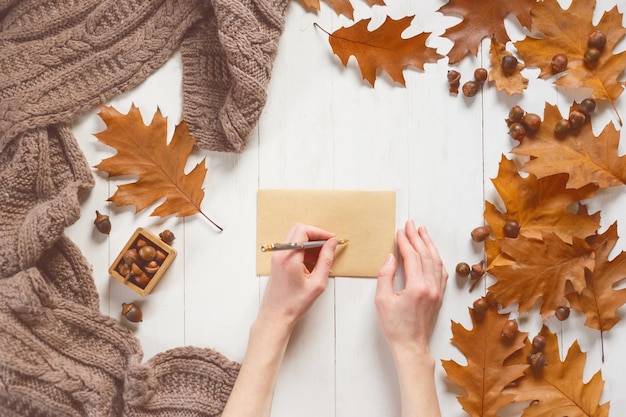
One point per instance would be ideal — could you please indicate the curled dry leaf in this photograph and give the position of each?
(511, 83)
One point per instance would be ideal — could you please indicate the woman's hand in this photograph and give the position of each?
(407, 317)
(292, 288)
(297, 277)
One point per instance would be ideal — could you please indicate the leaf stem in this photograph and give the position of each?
(321, 28)
(619, 119)
(212, 222)
(602, 343)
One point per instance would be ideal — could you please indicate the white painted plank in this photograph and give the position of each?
(295, 151)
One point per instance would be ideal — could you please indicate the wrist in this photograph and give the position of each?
(412, 355)
(273, 325)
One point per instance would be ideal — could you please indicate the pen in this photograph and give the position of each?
(298, 245)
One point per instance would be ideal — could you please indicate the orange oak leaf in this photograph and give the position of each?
(599, 300)
(495, 256)
(485, 375)
(382, 48)
(482, 19)
(143, 151)
(566, 32)
(513, 83)
(540, 205)
(586, 158)
(343, 7)
(541, 269)
(558, 389)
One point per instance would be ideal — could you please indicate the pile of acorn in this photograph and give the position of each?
(142, 260)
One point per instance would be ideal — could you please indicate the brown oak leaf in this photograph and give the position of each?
(540, 205)
(566, 32)
(558, 389)
(482, 19)
(585, 157)
(485, 375)
(541, 269)
(513, 83)
(382, 48)
(143, 151)
(599, 300)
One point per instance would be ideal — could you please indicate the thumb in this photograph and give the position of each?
(385, 276)
(325, 260)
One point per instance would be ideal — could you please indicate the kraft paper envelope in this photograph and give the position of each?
(366, 218)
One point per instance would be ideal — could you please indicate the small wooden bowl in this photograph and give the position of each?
(143, 285)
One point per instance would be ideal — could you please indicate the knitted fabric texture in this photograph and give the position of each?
(59, 356)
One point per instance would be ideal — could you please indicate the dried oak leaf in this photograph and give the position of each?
(485, 375)
(513, 83)
(558, 389)
(343, 7)
(541, 269)
(481, 19)
(540, 205)
(143, 151)
(566, 32)
(382, 48)
(586, 158)
(599, 300)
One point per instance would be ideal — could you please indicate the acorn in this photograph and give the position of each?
(539, 342)
(132, 312)
(480, 233)
(477, 271)
(102, 222)
(481, 305)
(508, 64)
(454, 81)
(167, 236)
(559, 63)
(597, 40)
(531, 121)
(562, 313)
(463, 269)
(537, 360)
(511, 229)
(509, 330)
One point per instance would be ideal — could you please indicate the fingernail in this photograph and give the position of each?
(413, 223)
(389, 258)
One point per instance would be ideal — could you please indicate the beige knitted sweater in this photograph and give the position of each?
(59, 58)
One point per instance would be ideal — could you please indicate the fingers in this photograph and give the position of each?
(303, 233)
(325, 259)
(439, 269)
(421, 256)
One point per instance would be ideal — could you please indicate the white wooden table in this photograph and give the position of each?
(325, 128)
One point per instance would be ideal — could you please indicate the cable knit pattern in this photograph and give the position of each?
(58, 59)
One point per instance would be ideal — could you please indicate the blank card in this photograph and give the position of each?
(366, 218)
